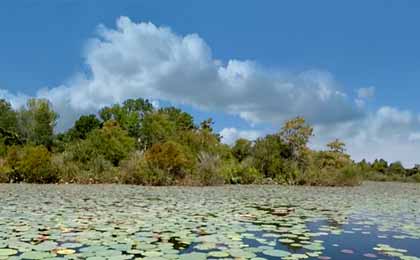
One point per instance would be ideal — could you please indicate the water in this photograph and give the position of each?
(373, 221)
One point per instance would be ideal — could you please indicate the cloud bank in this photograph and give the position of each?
(143, 60)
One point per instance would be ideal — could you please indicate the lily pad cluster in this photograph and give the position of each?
(240, 222)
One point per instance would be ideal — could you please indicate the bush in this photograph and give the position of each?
(346, 176)
(111, 141)
(136, 170)
(209, 170)
(30, 164)
(241, 173)
(170, 157)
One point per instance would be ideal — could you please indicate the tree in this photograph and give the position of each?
(336, 146)
(270, 154)
(207, 125)
(156, 128)
(83, 126)
(182, 120)
(396, 168)
(37, 121)
(8, 117)
(8, 126)
(111, 141)
(380, 165)
(242, 149)
(129, 116)
(296, 134)
(170, 157)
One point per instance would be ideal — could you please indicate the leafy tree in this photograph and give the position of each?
(337, 146)
(364, 166)
(207, 125)
(242, 149)
(182, 120)
(129, 116)
(83, 126)
(396, 168)
(156, 128)
(380, 165)
(8, 117)
(269, 154)
(30, 164)
(110, 142)
(296, 134)
(171, 157)
(37, 121)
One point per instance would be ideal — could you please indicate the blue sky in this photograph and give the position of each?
(353, 45)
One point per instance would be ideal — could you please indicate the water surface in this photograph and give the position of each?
(373, 221)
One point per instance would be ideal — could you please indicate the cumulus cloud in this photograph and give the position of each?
(230, 135)
(388, 133)
(16, 100)
(144, 60)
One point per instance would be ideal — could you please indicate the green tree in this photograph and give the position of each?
(156, 128)
(380, 165)
(37, 121)
(270, 154)
(296, 133)
(129, 115)
(396, 168)
(111, 141)
(242, 149)
(30, 164)
(170, 157)
(8, 117)
(182, 120)
(83, 126)
(337, 146)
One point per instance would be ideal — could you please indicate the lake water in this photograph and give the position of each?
(373, 221)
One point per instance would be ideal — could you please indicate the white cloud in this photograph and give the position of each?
(143, 60)
(388, 133)
(230, 135)
(16, 100)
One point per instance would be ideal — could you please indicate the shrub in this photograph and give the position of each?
(30, 164)
(170, 157)
(136, 170)
(346, 176)
(208, 170)
(111, 141)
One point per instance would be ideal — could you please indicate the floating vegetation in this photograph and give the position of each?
(373, 221)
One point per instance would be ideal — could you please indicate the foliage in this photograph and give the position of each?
(129, 115)
(242, 149)
(30, 164)
(336, 146)
(37, 121)
(111, 142)
(296, 133)
(269, 155)
(134, 143)
(83, 126)
(8, 117)
(170, 157)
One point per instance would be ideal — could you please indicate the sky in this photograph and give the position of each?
(352, 69)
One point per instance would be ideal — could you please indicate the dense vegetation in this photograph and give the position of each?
(135, 143)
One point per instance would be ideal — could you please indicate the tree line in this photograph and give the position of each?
(137, 143)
